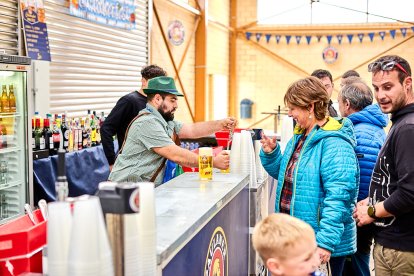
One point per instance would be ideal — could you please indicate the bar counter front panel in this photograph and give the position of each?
(203, 226)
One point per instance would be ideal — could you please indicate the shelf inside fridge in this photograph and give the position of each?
(10, 185)
(9, 114)
(11, 149)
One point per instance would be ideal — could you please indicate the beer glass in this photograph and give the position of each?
(205, 163)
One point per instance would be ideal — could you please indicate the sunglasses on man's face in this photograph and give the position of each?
(386, 65)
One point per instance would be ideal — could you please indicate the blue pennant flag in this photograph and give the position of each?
(288, 38)
(308, 39)
(339, 37)
(392, 33)
(403, 31)
(319, 38)
(248, 35)
(371, 36)
(298, 38)
(361, 37)
(278, 38)
(329, 37)
(268, 36)
(412, 28)
(381, 34)
(258, 36)
(350, 37)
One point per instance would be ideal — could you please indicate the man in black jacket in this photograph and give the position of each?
(326, 78)
(124, 111)
(390, 204)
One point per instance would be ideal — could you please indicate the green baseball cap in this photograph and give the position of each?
(162, 85)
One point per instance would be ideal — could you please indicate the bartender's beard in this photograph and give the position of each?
(167, 115)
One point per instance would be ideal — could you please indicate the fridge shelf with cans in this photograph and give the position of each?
(9, 114)
(9, 185)
(9, 149)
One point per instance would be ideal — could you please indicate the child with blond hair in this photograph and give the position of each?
(287, 245)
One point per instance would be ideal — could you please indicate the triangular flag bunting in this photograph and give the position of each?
(268, 36)
(361, 37)
(403, 31)
(392, 33)
(350, 37)
(258, 36)
(339, 37)
(329, 37)
(288, 37)
(308, 39)
(319, 38)
(248, 35)
(381, 34)
(278, 38)
(412, 28)
(371, 36)
(298, 38)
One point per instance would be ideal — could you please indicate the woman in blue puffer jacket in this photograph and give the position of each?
(318, 174)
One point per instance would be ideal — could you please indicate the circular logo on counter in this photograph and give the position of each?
(176, 33)
(217, 261)
(330, 54)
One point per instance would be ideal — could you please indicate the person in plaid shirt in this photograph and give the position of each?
(318, 173)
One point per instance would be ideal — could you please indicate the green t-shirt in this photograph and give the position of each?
(138, 162)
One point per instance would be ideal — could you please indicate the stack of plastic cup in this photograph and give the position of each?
(247, 161)
(90, 252)
(131, 243)
(147, 255)
(235, 153)
(59, 226)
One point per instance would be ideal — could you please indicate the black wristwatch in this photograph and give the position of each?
(371, 212)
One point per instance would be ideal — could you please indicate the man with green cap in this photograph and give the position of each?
(149, 141)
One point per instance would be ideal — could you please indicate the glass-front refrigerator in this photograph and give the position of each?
(16, 186)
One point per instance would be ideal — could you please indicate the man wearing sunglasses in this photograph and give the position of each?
(390, 204)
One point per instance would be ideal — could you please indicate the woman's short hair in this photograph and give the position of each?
(307, 91)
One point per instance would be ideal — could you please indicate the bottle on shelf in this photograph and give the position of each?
(70, 136)
(12, 99)
(3, 134)
(56, 136)
(48, 135)
(39, 138)
(93, 131)
(84, 134)
(33, 134)
(3, 173)
(102, 119)
(5, 107)
(65, 132)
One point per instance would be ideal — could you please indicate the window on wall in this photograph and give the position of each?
(332, 11)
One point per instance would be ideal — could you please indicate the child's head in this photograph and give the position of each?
(286, 244)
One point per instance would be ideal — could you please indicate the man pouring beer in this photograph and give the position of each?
(150, 138)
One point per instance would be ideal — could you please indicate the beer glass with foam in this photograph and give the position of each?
(205, 163)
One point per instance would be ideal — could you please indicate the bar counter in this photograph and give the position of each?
(203, 226)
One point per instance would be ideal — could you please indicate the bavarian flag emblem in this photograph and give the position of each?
(217, 261)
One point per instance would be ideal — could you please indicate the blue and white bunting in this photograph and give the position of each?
(392, 33)
(371, 36)
(329, 38)
(268, 36)
(298, 38)
(278, 38)
(412, 28)
(288, 37)
(308, 39)
(350, 37)
(248, 35)
(361, 37)
(339, 37)
(382, 35)
(258, 36)
(403, 31)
